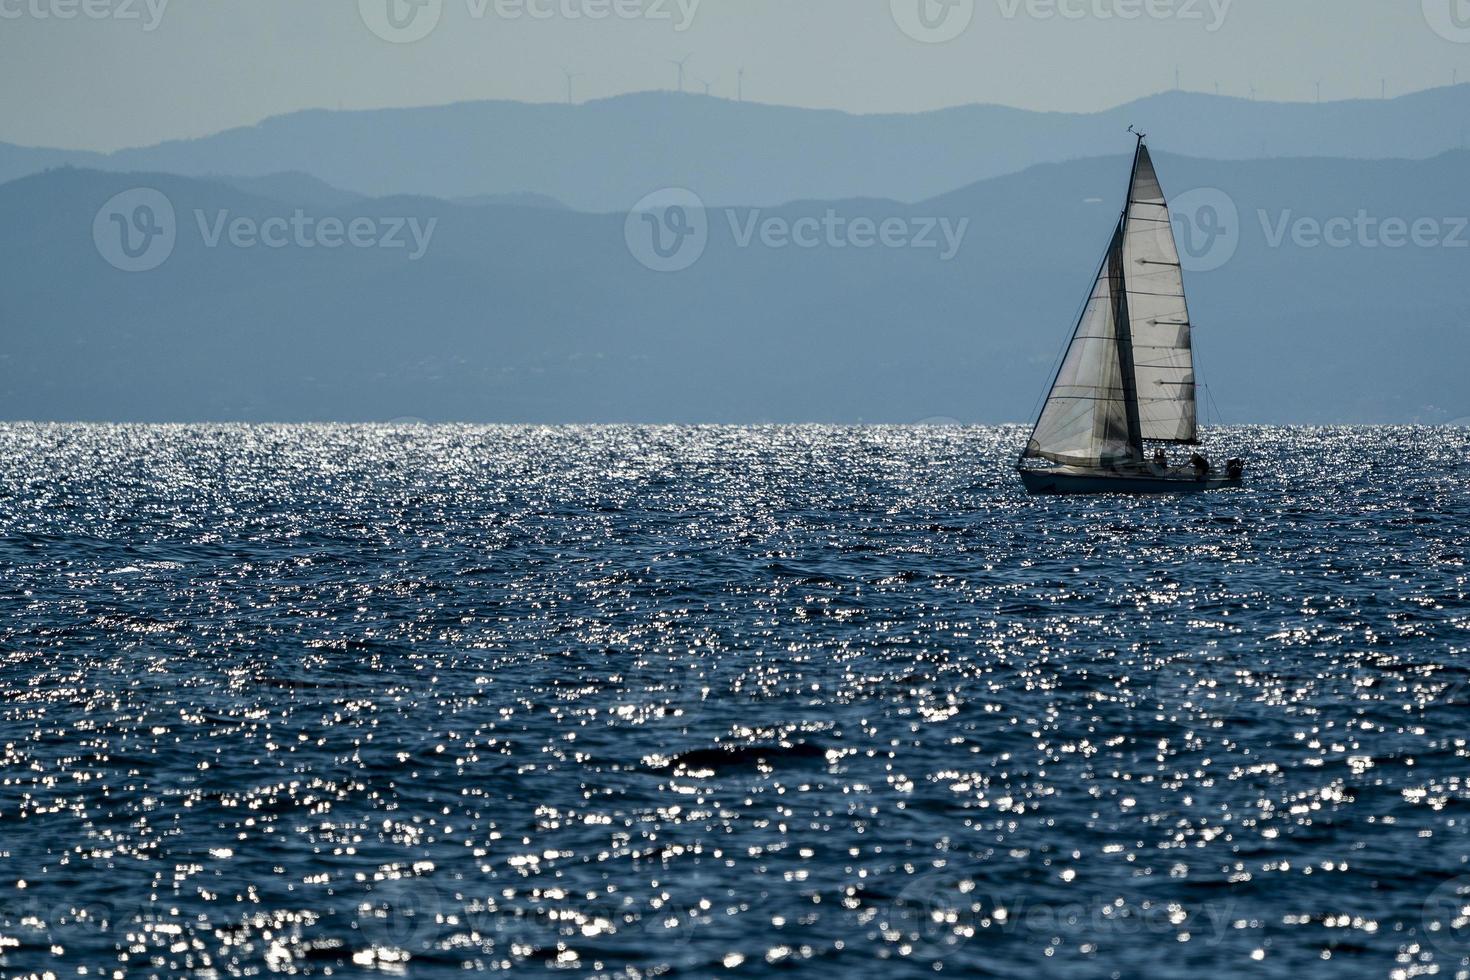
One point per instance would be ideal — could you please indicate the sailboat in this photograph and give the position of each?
(1128, 378)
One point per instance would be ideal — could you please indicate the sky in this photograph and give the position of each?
(105, 74)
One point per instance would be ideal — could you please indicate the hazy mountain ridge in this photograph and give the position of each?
(605, 155)
(293, 187)
(526, 314)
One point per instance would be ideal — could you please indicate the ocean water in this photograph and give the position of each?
(419, 701)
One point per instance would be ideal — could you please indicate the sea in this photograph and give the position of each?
(430, 701)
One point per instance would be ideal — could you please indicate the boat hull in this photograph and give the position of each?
(1059, 483)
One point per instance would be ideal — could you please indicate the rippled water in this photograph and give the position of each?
(335, 700)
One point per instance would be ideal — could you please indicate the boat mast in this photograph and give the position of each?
(1120, 311)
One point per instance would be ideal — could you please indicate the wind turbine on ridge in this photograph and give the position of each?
(680, 65)
(570, 76)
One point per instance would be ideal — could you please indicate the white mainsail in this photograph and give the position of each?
(1128, 374)
(1163, 361)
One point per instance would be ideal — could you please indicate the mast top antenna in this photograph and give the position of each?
(1135, 132)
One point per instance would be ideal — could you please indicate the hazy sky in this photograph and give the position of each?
(100, 74)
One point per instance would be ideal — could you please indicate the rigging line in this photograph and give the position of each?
(1219, 415)
(1199, 372)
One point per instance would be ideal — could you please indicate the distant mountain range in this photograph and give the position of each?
(603, 156)
(534, 313)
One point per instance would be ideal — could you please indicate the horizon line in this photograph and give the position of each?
(407, 422)
(557, 104)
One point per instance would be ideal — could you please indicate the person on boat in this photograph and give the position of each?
(1161, 458)
(1201, 466)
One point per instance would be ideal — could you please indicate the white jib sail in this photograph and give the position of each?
(1085, 420)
